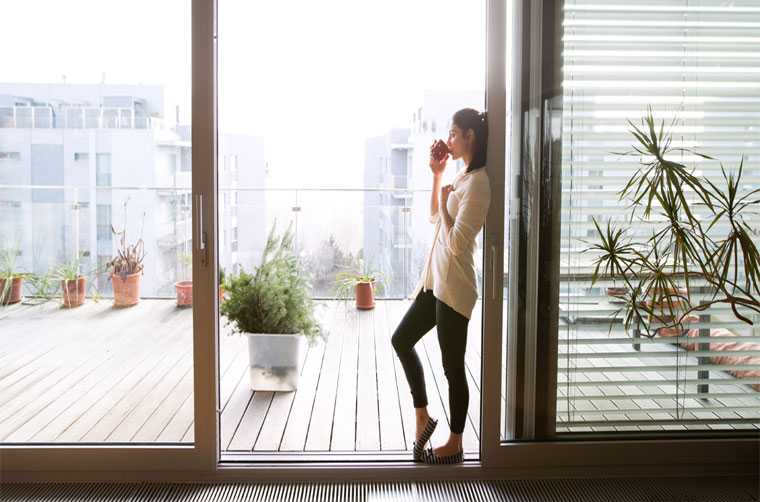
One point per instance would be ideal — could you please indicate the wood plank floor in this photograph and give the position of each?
(352, 396)
(101, 375)
(96, 374)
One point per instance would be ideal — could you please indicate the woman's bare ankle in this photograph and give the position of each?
(421, 414)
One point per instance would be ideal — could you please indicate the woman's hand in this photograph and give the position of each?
(437, 165)
(445, 191)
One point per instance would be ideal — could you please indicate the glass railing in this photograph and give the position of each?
(383, 231)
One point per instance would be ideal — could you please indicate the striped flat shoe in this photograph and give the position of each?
(429, 457)
(418, 447)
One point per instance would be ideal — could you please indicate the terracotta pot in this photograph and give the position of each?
(126, 291)
(13, 294)
(662, 309)
(617, 291)
(678, 332)
(184, 293)
(365, 295)
(74, 292)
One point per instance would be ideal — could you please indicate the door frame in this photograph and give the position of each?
(39, 462)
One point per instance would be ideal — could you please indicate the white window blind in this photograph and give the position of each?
(697, 61)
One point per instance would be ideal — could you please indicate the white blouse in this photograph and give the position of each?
(450, 266)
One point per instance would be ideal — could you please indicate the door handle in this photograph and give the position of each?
(202, 237)
(493, 272)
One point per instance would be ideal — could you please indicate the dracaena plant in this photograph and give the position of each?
(687, 248)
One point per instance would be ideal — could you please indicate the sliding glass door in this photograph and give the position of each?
(98, 236)
(606, 340)
(326, 114)
(694, 67)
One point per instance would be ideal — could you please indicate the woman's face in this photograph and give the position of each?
(459, 142)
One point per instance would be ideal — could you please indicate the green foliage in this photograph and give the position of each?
(43, 286)
(68, 271)
(346, 281)
(8, 264)
(8, 272)
(275, 297)
(325, 262)
(659, 271)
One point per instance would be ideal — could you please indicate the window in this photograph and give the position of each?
(104, 223)
(24, 116)
(74, 118)
(10, 156)
(92, 118)
(103, 169)
(6, 117)
(43, 117)
(691, 64)
(186, 165)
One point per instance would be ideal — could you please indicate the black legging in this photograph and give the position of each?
(427, 311)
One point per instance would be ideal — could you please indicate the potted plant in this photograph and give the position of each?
(73, 284)
(184, 289)
(361, 285)
(11, 281)
(126, 267)
(222, 277)
(660, 272)
(272, 308)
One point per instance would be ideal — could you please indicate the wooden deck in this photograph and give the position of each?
(97, 374)
(101, 375)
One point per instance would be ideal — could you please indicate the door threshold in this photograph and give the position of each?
(380, 457)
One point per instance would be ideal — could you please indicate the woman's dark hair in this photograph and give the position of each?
(469, 118)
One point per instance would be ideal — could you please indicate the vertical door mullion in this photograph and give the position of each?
(493, 252)
(204, 169)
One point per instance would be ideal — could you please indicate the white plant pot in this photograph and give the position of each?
(274, 361)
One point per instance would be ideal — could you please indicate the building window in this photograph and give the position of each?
(103, 217)
(6, 117)
(74, 118)
(103, 169)
(92, 118)
(10, 156)
(43, 117)
(110, 118)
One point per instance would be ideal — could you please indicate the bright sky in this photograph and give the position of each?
(316, 78)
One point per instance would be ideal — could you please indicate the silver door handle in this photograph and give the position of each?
(493, 272)
(201, 229)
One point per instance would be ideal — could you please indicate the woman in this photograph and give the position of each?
(447, 289)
